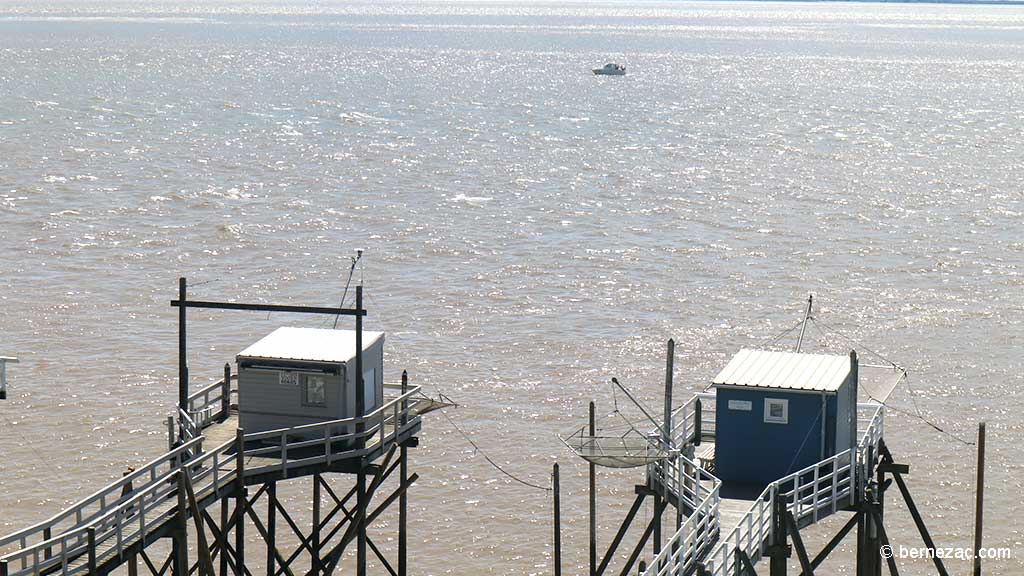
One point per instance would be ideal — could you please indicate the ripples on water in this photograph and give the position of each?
(531, 230)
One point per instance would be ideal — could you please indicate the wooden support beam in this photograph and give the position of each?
(890, 559)
(222, 537)
(893, 468)
(362, 501)
(593, 500)
(271, 550)
(798, 543)
(744, 567)
(149, 564)
(315, 535)
(656, 518)
(380, 556)
(557, 509)
(403, 512)
(979, 502)
(334, 556)
(271, 530)
(182, 304)
(925, 535)
(91, 541)
(403, 500)
(179, 542)
(205, 560)
(623, 528)
(834, 542)
(241, 499)
(779, 551)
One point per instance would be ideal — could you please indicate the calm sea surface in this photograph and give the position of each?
(531, 230)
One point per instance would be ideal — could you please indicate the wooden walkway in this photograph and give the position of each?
(724, 523)
(98, 533)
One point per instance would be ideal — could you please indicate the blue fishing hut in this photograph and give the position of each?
(779, 412)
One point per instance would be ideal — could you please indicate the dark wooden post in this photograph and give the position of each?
(315, 537)
(271, 528)
(226, 391)
(360, 518)
(778, 552)
(92, 549)
(179, 539)
(593, 501)
(666, 439)
(403, 500)
(667, 422)
(979, 503)
(698, 415)
(360, 390)
(241, 500)
(182, 360)
(558, 520)
(223, 536)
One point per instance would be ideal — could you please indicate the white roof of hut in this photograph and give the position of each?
(785, 370)
(309, 345)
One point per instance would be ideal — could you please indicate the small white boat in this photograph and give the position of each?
(611, 69)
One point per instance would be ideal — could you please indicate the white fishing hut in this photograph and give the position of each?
(296, 376)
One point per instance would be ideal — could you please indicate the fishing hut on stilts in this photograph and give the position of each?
(778, 442)
(306, 406)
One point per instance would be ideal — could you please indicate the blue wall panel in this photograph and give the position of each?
(750, 450)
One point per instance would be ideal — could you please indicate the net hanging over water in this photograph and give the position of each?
(610, 448)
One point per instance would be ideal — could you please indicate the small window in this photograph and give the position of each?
(776, 411)
(314, 390)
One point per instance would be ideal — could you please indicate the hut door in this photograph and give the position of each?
(370, 389)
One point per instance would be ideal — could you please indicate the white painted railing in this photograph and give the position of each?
(810, 494)
(698, 490)
(129, 509)
(214, 400)
(684, 424)
(95, 505)
(130, 518)
(335, 439)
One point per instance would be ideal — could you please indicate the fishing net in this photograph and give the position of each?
(617, 447)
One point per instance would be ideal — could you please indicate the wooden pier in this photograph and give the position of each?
(205, 488)
(727, 528)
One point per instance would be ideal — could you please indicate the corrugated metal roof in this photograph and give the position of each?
(309, 344)
(786, 370)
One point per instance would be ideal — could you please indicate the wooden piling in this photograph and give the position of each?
(241, 499)
(979, 503)
(403, 500)
(271, 528)
(361, 503)
(91, 536)
(315, 537)
(558, 520)
(223, 536)
(182, 362)
(593, 501)
(225, 391)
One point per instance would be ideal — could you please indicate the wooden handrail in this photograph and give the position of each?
(114, 488)
(131, 510)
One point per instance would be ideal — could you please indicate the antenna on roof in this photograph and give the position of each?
(803, 325)
(351, 272)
